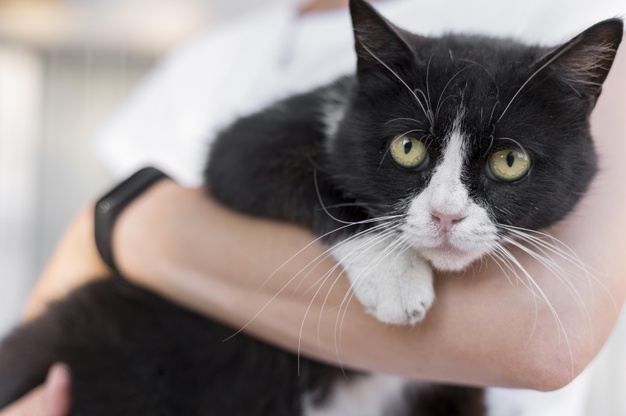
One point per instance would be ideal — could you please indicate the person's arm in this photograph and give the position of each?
(482, 329)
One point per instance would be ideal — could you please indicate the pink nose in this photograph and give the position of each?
(446, 221)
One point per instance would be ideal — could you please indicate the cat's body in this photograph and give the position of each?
(134, 354)
(427, 157)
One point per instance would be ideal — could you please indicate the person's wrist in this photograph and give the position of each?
(138, 237)
(109, 207)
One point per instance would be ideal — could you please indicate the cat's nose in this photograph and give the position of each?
(446, 221)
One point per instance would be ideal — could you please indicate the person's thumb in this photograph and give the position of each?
(51, 399)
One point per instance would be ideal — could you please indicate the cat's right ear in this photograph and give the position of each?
(380, 46)
(584, 62)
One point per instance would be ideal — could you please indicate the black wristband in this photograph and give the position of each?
(110, 205)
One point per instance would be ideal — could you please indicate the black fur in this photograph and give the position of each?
(133, 353)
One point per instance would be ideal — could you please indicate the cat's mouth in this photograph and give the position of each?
(449, 248)
(447, 255)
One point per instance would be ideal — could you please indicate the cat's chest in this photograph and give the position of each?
(370, 395)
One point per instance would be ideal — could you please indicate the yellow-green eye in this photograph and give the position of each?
(509, 165)
(408, 151)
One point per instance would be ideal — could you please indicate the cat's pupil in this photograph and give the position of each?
(510, 159)
(407, 146)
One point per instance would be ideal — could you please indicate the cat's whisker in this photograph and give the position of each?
(325, 277)
(439, 102)
(321, 201)
(430, 103)
(323, 256)
(372, 242)
(544, 66)
(381, 256)
(518, 144)
(337, 337)
(404, 119)
(389, 229)
(542, 295)
(499, 208)
(325, 235)
(280, 291)
(569, 256)
(557, 271)
(403, 240)
(497, 259)
(542, 245)
(323, 206)
(504, 257)
(357, 204)
(399, 78)
(544, 256)
(428, 106)
(328, 253)
(341, 262)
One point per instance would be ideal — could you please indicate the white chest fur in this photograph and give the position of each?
(371, 395)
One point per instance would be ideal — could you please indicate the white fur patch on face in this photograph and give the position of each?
(447, 196)
(371, 395)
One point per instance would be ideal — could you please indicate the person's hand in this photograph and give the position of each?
(50, 399)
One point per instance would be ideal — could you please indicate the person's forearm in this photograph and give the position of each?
(74, 263)
(482, 329)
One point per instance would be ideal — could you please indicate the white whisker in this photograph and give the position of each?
(550, 61)
(544, 297)
(401, 80)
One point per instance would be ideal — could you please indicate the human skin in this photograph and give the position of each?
(50, 399)
(482, 329)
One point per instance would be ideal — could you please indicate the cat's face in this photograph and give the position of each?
(467, 137)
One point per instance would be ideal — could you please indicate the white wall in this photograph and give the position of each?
(20, 101)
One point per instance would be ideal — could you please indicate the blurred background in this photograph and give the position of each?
(65, 65)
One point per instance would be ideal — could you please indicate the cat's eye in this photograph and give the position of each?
(509, 165)
(407, 151)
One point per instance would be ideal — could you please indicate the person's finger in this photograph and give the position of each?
(58, 391)
(50, 399)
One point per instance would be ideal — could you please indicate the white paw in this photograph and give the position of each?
(402, 299)
(394, 285)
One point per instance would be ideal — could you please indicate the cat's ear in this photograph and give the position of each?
(584, 62)
(380, 46)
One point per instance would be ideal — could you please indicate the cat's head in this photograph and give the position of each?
(469, 136)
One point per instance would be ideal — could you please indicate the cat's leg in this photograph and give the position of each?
(391, 280)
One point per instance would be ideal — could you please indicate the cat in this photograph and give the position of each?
(426, 158)
(399, 162)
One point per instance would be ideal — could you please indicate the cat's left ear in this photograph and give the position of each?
(381, 47)
(584, 62)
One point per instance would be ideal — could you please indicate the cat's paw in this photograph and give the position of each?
(403, 299)
(393, 285)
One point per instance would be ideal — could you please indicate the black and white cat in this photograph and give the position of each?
(442, 143)
(427, 158)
